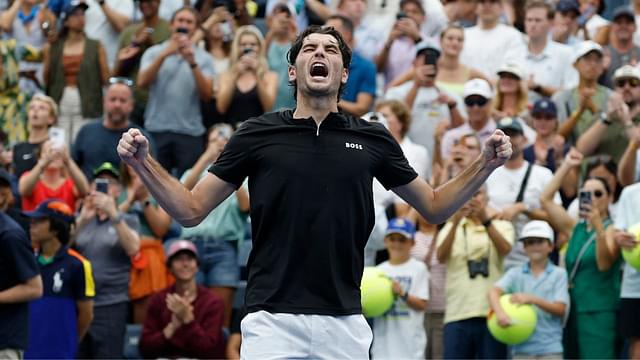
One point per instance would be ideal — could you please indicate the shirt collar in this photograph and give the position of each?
(526, 269)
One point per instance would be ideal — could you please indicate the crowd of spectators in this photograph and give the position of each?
(560, 77)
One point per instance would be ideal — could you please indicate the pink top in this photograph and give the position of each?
(437, 271)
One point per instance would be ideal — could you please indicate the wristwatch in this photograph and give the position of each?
(194, 65)
(117, 219)
(487, 223)
(405, 296)
(604, 118)
(101, 2)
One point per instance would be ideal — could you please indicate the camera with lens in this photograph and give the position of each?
(478, 267)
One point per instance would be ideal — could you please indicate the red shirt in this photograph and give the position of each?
(41, 193)
(202, 338)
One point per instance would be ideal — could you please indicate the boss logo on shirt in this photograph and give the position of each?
(353, 146)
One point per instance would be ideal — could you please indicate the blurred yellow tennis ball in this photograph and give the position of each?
(523, 322)
(633, 256)
(376, 294)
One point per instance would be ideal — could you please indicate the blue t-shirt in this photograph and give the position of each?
(362, 78)
(17, 265)
(53, 322)
(551, 285)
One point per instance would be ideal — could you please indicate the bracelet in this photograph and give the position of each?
(604, 119)
(101, 2)
(194, 65)
(452, 105)
(538, 89)
(405, 296)
(487, 223)
(117, 219)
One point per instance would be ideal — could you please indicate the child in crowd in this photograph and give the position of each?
(541, 284)
(399, 333)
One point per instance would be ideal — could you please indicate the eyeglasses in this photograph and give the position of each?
(472, 101)
(533, 241)
(120, 80)
(633, 82)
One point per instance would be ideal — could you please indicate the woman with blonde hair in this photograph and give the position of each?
(248, 88)
(512, 96)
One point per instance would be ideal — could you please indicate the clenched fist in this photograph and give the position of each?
(497, 149)
(133, 147)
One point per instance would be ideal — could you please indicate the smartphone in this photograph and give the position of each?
(227, 32)
(102, 185)
(246, 51)
(584, 197)
(182, 30)
(401, 15)
(58, 137)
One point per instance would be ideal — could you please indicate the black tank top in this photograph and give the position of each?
(244, 106)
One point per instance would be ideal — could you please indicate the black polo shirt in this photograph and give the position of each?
(311, 206)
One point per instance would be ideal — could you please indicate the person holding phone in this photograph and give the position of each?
(178, 76)
(593, 263)
(107, 238)
(55, 175)
(248, 89)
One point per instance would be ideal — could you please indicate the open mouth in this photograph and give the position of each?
(319, 69)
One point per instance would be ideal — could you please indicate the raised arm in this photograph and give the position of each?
(558, 216)
(438, 205)
(618, 111)
(187, 207)
(627, 165)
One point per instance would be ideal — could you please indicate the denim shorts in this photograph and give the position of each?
(218, 262)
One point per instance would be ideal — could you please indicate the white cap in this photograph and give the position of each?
(477, 87)
(537, 229)
(584, 48)
(514, 69)
(627, 71)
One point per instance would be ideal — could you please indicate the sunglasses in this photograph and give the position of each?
(120, 80)
(479, 101)
(633, 82)
(533, 241)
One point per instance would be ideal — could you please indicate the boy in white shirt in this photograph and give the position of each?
(399, 333)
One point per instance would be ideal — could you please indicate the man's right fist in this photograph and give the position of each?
(133, 147)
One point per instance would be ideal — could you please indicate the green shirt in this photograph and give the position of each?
(592, 290)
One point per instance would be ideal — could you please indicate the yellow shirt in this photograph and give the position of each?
(465, 297)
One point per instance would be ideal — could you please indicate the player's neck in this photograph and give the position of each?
(315, 107)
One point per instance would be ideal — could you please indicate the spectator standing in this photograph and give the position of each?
(549, 148)
(462, 12)
(19, 284)
(75, 68)
(220, 234)
(516, 187)
(106, 19)
(399, 50)
(511, 98)
(185, 319)
(108, 239)
(368, 36)
(30, 24)
(249, 88)
(13, 100)
(360, 90)
(308, 12)
(399, 333)
(452, 75)
(626, 217)
(282, 31)
(621, 49)
(429, 106)
(42, 114)
(134, 41)
(490, 43)
(55, 176)
(593, 262)
(96, 140)
(61, 318)
(477, 96)
(540, 284)
(547, 61)
(473, 246)
(565, 23)
(178, 75)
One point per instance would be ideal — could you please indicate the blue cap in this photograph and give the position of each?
(568, 5)
(52, 208)
(72, 6)
(624, 10)
(401, 226)
(544, 106)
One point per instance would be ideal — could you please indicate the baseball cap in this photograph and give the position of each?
(106, 167)
(427, 44)
(401, 226)
(5, 178)
(544, 106)
(181, 245)
(568, 5)
(54, 209)
(623, 10)
(537, 229)
(509, 123)
(477, 87)
(513, 69)
(626, 71)
(585, 48)
(71, 7)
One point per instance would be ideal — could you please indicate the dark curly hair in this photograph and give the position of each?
(296, 46)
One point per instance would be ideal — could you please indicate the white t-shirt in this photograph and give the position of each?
(487, 50)
(626, 218)
(503, 186)
(399, 333)
(426, 113)
(594, 24)
(97, 26)
(552, 67)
